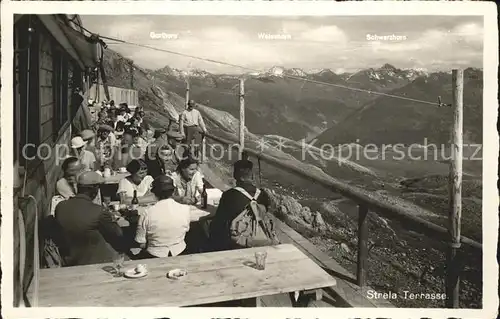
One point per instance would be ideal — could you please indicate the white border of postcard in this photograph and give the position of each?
(490, 192)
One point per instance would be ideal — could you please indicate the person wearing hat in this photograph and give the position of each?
(122, 115)
(90, 236)
(106, 141)
(161, 231)
(232, 203)
(86, 158)
(168, 155)
(88, 136)
(138, 181)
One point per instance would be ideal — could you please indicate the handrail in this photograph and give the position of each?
(356, 194)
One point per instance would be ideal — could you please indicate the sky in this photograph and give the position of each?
(340, 43)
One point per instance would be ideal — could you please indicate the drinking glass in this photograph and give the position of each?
(118, 264)
(260, 260)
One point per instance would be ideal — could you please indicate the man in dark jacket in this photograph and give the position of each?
(232, 204)
(89, 234)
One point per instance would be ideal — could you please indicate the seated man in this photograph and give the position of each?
(66, 186)
(232, 204)
(88, 230)
(167, 157)
(86, 158)
(162, 229)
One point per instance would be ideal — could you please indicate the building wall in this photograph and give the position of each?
(42, 175)
(119, 95)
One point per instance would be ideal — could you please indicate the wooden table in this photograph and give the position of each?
(212, 277)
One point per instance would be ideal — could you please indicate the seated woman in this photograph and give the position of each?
(139, 181)
(162, 228)
(188, 182)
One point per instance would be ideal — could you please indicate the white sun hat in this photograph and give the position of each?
(77, 142)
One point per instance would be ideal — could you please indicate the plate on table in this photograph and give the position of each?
(132, 273)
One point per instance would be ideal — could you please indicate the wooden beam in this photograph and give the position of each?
(362, 245)
(455, 185)
(187, 93)
(242, 117)
(104, 81)
(131, 64)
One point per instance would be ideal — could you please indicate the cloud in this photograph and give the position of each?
(331, 34)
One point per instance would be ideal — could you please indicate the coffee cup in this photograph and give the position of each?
(140, 268)
(107, 172)
(123, 169)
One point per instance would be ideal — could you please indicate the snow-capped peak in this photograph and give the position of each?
(198, 73)
(276, 71)
(296, 72)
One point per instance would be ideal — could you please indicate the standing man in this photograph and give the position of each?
(89, 232)
(192, 126)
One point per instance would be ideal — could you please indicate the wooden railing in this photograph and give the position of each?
(366, 205)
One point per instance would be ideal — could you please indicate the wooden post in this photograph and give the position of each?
(362, 245)
(455, 185)
(187, 92)
(203, 149)
(242, 116)
(131, 75)
(104, 82)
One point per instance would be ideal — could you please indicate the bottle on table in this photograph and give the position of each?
(134, 205)
(204, 197)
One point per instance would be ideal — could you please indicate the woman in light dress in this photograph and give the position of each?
(188, 182)
(138, 180)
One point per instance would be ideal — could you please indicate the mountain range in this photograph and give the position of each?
(337, 107)
(292, 108)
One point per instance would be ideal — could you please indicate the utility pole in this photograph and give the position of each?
(455, 185)
(131, 64)
(187, 92)
(242, 116)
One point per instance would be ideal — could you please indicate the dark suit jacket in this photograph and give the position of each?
(88, 234)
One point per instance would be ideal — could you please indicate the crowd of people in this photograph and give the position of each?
(163, 169)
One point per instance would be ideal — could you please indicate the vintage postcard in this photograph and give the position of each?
(247, 160)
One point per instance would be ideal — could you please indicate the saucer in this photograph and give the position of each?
(130, 273)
